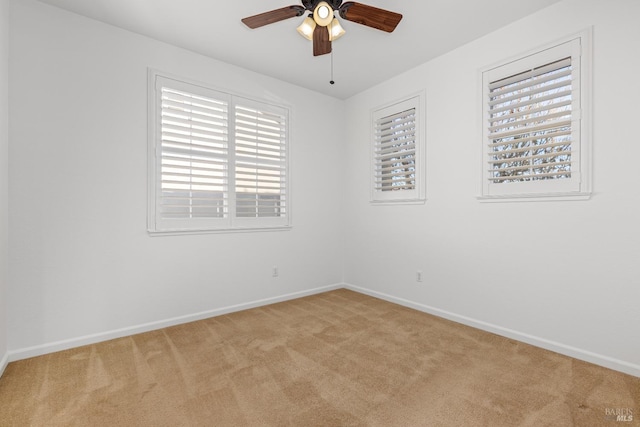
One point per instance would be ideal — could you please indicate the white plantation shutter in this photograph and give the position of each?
(216, 161)
(533, 113)
(260, 160)
(530, 119)
(193, 155)
(396, 151)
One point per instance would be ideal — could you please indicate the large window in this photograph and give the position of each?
(535, 134)
(217, 161)
(398, 149)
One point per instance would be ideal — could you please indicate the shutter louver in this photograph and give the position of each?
(530, 125)
(260, 162)
(194, 156)
(395, 152)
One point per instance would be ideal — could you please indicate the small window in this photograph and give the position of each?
(397, 152)
(217, 161)
(535, 142)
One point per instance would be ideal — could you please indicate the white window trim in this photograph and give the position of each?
(230, 224)
(418, 195)
(585, 144)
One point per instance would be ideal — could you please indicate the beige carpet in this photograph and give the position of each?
(334, 359)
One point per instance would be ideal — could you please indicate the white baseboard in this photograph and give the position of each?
(577, 353)
(3, 363)
(52, 347)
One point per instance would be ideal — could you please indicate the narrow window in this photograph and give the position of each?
(397, 152)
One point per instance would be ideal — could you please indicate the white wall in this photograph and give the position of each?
(4, 175)
(82, 262)
(563, 275)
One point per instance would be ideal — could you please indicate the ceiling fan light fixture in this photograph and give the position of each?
(335, 30)
(323, 14)
(306, 28)
(321, 26)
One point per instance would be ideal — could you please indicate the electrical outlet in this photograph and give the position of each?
(275, 271)
(418, 276)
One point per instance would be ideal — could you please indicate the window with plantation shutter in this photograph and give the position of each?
(535, 139)
(397, 152)
(217, 161)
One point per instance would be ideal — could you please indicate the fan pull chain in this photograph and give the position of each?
(331, 81)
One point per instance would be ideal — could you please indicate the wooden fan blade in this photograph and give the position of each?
(273, 16)
(370, 16)
(321, 42)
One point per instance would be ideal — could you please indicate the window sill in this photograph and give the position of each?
(156, 233)
(541, 197)
(398, 202)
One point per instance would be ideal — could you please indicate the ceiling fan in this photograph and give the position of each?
(321, 26)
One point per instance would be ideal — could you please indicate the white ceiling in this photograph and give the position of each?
(362, 58)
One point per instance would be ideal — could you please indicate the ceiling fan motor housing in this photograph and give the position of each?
(312, 4)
